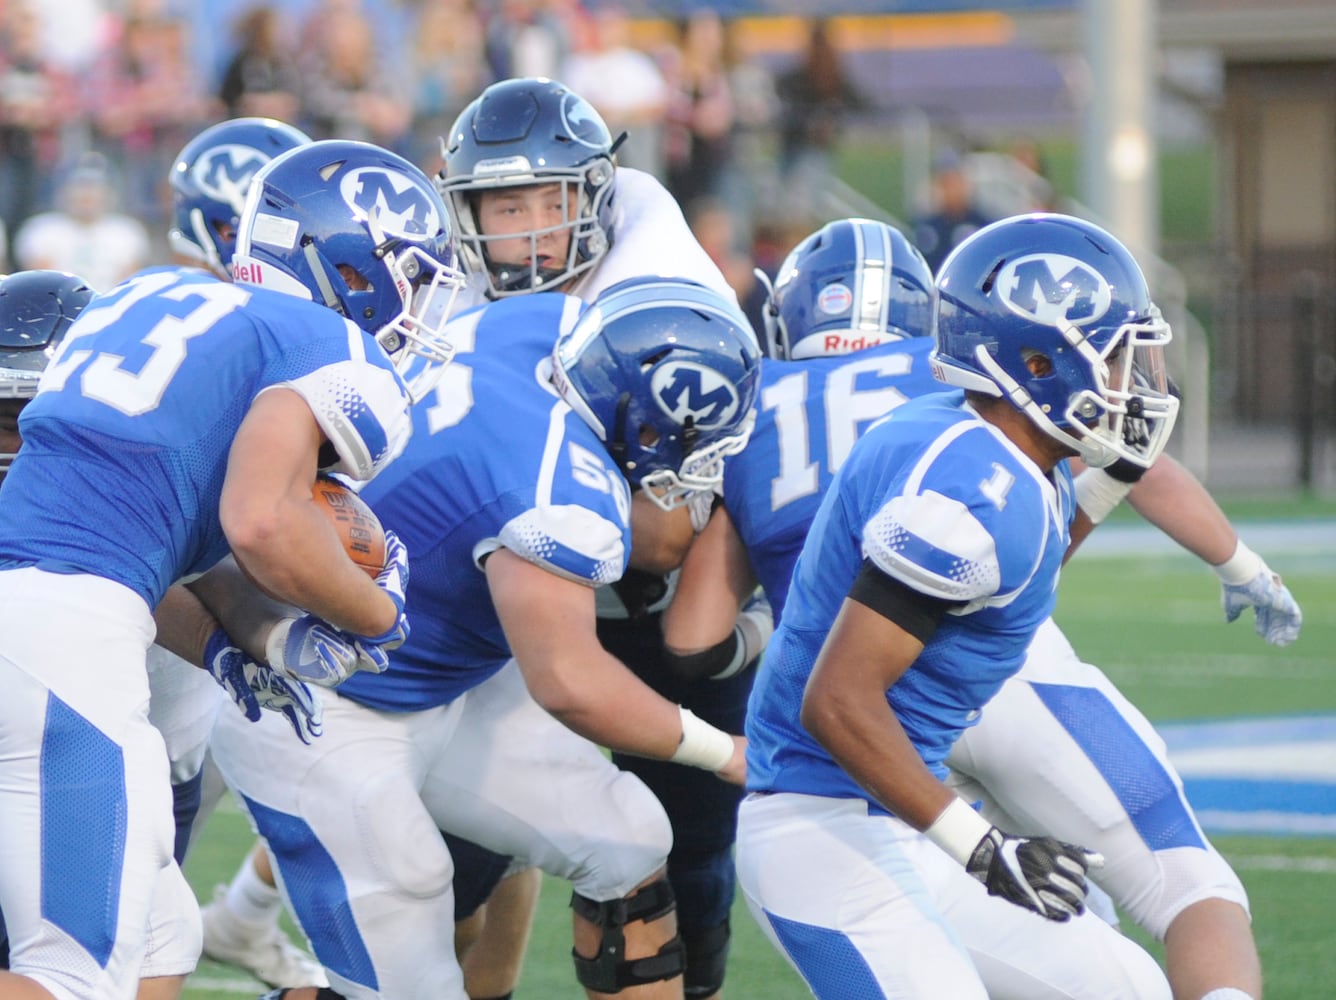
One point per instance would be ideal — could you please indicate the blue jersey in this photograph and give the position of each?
(809, 416)
(940, 500)
(125, 446)
(497, 460)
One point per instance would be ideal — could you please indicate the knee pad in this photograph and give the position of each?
(610, 971)
(707, 957)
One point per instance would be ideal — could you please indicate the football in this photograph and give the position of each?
(357, 525)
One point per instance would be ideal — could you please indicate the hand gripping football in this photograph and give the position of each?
(357, 525)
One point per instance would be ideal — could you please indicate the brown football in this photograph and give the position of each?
(357, 525)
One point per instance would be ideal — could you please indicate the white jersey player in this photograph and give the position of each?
(515, 497)
(530, 180)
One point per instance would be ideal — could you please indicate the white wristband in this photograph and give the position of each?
(1097, 493)
(275, 644)
(1244, 565)
(958, 830)
(702, 745)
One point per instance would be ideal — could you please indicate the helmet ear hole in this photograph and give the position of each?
(648, 436)
(1039, 364)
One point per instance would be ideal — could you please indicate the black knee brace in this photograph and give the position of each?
(610, 971)
(707, 956)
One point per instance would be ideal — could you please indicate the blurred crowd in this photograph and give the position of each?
(98, 96)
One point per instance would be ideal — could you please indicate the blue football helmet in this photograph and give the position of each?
(363, 231)
(209, 182)
(853, 283)
(1052, 313)
(523, 132)
(36, 308)
(666, 372)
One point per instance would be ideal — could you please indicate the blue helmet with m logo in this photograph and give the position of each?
(1053, 314)
(666, 372)
(361, 230)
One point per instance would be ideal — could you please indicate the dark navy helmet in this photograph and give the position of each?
(524, 132)
(36, 309)
(666, 372)
(1053, 313)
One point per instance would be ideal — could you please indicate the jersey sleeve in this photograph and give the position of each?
(969, 526)
(936, 545)
(573, 542)
(361, 405)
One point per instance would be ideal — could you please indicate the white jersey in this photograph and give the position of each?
(650, 236)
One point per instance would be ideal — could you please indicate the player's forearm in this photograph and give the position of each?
(184, 624)
(862, 734)
(293, 553)
(244, 611)
(599, 698)
(1173, 500)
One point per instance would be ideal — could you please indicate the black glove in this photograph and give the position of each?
(1039, 873)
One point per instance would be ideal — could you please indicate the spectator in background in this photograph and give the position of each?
(817, 95)
(529, 37)
(625, 85)
(260, 79)
(84, 235)
(37, 99)
(750, 179)
(148, 99)
(952, 214)
(699, 120)
(448, 69)
(345, 91)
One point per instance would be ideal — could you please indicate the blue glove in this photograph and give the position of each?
(254, 686)
(393, 580)
(312, 650)
(1247, 582)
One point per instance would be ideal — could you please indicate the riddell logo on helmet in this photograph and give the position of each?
(842, 343)
(247, 273)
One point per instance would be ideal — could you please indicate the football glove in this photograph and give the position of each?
(1039, 873)
(254, 686)
(1247, 582)
(312, 650)
(393, 580)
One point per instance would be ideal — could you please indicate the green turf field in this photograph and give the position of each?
(1153, 622)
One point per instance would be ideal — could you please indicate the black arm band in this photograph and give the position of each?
(915, 612)
(706, 663)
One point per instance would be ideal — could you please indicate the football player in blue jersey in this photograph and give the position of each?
(930, 562)
(539, 203)
(759, 532)
(515, 497)
(209, 179)
(183, 418)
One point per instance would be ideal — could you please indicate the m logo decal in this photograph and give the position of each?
(683, 389)
(402, 208)
(1051, 288)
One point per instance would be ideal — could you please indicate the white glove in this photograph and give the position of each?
(1247, 582)
(310, 649)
